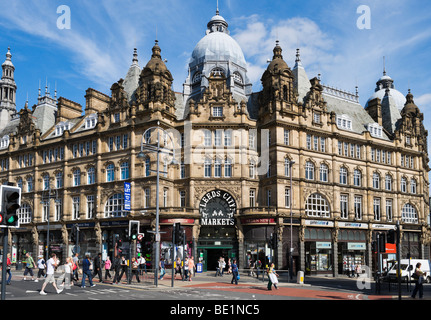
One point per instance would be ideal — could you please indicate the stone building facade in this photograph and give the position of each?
(299, 161)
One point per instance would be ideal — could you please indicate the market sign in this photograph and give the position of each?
(217, 208)
(127, 196)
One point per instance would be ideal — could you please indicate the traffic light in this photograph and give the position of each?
(74, 233)
(10, 199)
(179, 233)
(273, 241)
(133, 229)
(382, 243)
(391, 236)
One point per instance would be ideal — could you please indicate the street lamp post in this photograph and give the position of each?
(291, 163)
(47, 195)
(145, 145)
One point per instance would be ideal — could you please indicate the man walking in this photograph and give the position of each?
(86, 271)
(50, 266)
(98, 267)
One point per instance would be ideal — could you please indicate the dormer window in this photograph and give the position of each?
(4, 142)
(116, 117)
(237, 77)
(91, 121)
(375, 130)
(197, 77)
(344, 122)
(61, 127)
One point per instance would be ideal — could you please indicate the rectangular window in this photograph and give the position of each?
(389, 210)
(344, 207)
(358, 207)
(322, 144)
(90, 207)
(147, 198)
(217, 111)
(75, 208)
(182, 199)
(111, 144)
(252, 198)
(309, 141)
(376, 209)
(58, 209)
(228, 138)
(286, 137)
(287, 197)
(207, 138)
(217, 137)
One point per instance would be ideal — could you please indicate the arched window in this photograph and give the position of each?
(237, 77)
(317, 206)
(343, 175)
(413, 185)
(217, 72)
(110, 173)
(388, 182)
(125, 170)
(309, 170)
(323, 172)
(409, 214)
(114, 206)
(197, 77)
(76, 177)
(91, 175)
(376, 180)
(357, 178)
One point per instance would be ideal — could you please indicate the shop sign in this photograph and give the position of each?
(356, 246)
(319, 223)
(217, 208)
(356, 225)
(172, 221)
(383, 226)
(258, 221)
(323, 245)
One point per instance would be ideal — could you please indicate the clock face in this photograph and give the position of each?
(217, 205)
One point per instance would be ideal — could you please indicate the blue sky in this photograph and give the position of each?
(97, 50)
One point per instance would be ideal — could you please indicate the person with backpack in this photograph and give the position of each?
(29, 266)
(41, 264)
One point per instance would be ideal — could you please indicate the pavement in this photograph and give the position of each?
(315, 287)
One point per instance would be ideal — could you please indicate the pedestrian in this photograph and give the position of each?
(186, 269)
(29, 266)
(97, 266)
(223, 266)
(219, 266)
(135, 269)
(235, 274)
(272, 277)
(51, 264)
(76, 268)
(229, 266)
(8, 266)
(358, 270)
(178, 267)
(123, 266)
(117, 269)
(67, 273)
(258, 267)
(108, 265)
(162, 268)
(86, 271)
(252, 265)
(142, 263)
(418, 276)
(41, 265)
(352, 270)
(191, 268)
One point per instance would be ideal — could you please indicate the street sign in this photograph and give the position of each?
(127, 196)
(140, 236)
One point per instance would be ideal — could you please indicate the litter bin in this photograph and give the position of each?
(300, 277)
(18, 265)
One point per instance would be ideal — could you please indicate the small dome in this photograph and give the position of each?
(410, 108)
(156, 61)
(397, 96)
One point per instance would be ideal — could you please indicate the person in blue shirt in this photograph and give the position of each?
(234, 272)
(87, 271)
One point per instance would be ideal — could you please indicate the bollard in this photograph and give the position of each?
(300, 277)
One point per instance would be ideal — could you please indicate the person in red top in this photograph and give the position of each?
(8, 264)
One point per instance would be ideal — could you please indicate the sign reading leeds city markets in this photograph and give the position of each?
(217, 208)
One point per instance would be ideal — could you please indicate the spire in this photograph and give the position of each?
(384, 67)
(135, 57)
(217, 11)
(156, 50)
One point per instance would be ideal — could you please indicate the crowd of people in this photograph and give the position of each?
(76, 271)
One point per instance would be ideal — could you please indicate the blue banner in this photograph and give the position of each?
(127, 196)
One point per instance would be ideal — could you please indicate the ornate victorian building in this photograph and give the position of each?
(299, 161)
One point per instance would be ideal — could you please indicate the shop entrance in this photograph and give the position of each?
(209, 257)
